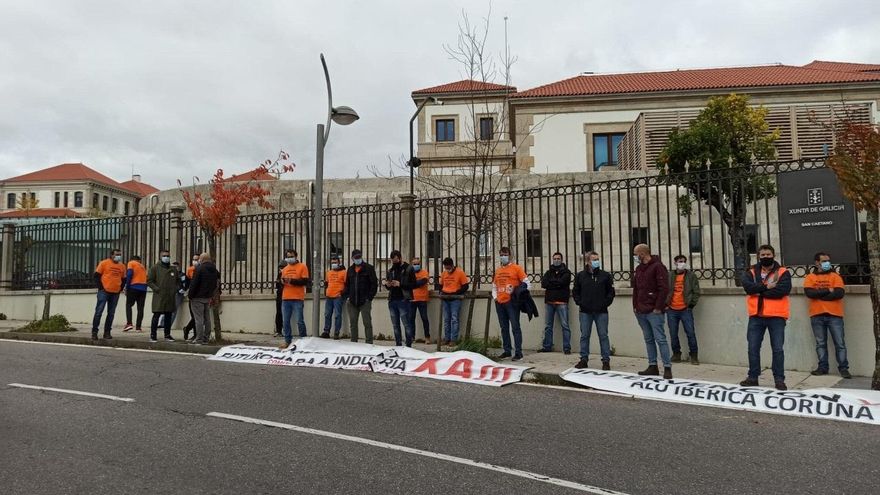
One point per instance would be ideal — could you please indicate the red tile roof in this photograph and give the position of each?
(465, 86)
(140, 188)
(42, 213)
(250, 175)
(842, 66)
(694, 79)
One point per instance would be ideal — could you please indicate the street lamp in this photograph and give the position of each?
(413, 163)
(342, 115)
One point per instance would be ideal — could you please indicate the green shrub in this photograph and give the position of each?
(2, 316)
(55, 323)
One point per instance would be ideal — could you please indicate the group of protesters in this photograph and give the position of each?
(660, 298)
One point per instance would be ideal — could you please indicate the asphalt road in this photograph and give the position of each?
(164, 442)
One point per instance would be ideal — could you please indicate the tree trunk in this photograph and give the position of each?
(736, 230)
(873, 228)
(215, 308)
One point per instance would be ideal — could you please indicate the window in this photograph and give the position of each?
(485, 245)
(115, 205)
(104, 203)
(10, 200)
(434, 239)
(638, 235)
(33, 197)
(78, 199)
(240, 247)
(587, 240)
(445, 129)
(65, 198)
(533, 243)
(57, 200)
(95, 199)
(334, 241)
(487, 128)
(751, 232)
(605, 149)
(383, 245)
(695, 239)
(127, 208)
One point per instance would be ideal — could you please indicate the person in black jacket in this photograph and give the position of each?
(202, 289)
(593, 292)
(556, 282)
(399, 294)
(279, 289)
(361, 285)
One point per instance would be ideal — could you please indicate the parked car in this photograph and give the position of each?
(57, 279)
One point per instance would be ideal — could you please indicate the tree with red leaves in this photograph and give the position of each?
(856, 162)
(217, 209)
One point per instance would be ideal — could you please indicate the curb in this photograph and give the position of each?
(116, 342)
(545, 378)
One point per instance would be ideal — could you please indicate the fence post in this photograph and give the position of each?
(176, 238)
(408, 225)
(7, 257)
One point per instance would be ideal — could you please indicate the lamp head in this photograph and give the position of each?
(343, 115)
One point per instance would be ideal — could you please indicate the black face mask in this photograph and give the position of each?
(767, 262)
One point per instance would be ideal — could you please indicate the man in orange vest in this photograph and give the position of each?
(295, 277)
(825, 289)
(190, 272)
(767, 285)
(418, 280)
(135, 292)
(334, 281)
(508, 277)
(110, 278)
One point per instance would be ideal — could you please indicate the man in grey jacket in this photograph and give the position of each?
(683, 296)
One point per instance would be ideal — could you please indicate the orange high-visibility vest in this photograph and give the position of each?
(764, 307)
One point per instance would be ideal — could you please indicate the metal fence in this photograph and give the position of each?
(609, 217)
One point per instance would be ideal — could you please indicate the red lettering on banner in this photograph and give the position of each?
(461, 367)
(429, 366)
(490, 373)
(869, 403)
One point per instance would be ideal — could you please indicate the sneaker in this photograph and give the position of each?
(667, 373)
(153, 341)
(606, 365)
(107, 337)
(94, 335)
(283, 346)
(582, 364)
(845, 374)
(651, 370)
(781, 386)
(504, 355)
(198, 342)
(139, 330)
(325, 335)
(819, 372)
(676, 357)
(169, 339)
(128, 327)
(517, 357)
(545, 350)
(428, 341)
(277, 334)
(567, 352)
(749, 382)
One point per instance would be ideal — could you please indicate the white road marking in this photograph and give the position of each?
(73, 392)
(106, 348)
(433, 455)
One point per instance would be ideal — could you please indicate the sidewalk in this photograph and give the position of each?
(545, 366)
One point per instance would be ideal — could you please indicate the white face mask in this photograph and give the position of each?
(334, 266)
(637, 260)
(117, 258)
(681, 266)
(195, 262)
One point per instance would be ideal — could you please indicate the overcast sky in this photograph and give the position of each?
(180, 88)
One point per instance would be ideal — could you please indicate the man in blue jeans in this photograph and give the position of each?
(398, 299)
(650, 290)
(508, 277)
(295, 277)
(556, 283)
(454, 283)
(825, 290)
(682, 299)
(593, 292)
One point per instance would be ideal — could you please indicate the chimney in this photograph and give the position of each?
(136, 177)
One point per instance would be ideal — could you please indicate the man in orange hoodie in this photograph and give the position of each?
(334, 282)
(825, 289)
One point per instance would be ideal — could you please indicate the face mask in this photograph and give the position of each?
(557, 262)
(357, 261)
(195, 262)
(681, 266)
(117, 258)
(767, 262)
(166, 259)
(334, 266)
(637, 260)
(826, 266)
(505, 259)
(417, 267)
(596, 264)
(290, 261)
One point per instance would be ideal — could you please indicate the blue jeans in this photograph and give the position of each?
(422, 308)
(686, 317)
(109, 301)
(655, 336)
(333, 305)
(552, 310)
(755, 336)
(451, 309)
(292, 309)
(601, 321)
(822, 325)
(399, 310)
(508, 317)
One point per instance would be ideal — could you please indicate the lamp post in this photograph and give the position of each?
(414, 163)
(342, 115)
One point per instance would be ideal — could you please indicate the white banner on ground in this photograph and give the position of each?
(461, 366)
(862, 406)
